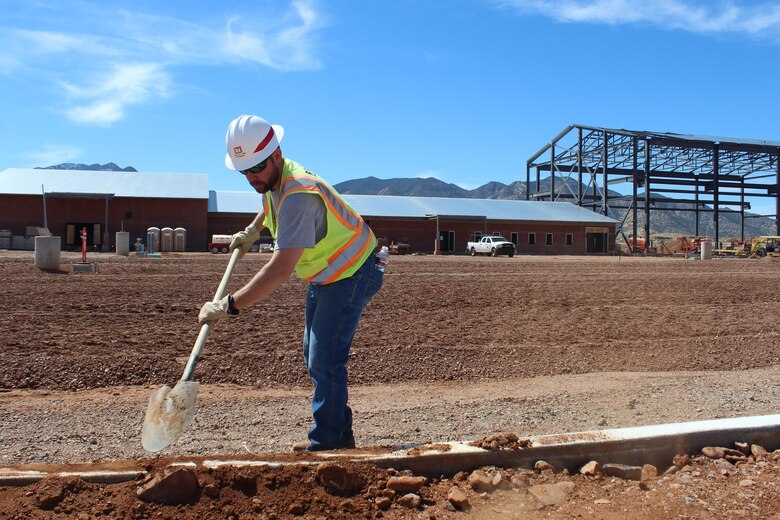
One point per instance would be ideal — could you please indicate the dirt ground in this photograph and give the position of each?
(452, 348)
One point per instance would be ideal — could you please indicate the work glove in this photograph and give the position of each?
(215, 311)
(244, 239)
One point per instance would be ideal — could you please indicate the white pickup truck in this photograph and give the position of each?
(492, 246)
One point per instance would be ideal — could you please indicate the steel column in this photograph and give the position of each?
(715, 170)
(579, 166)
(537, 180)
(552, 171)
(696, 207)
(777, 194)
(605, 151)
(634, 193)
(647, 195)
(742, 211)
(527, 181)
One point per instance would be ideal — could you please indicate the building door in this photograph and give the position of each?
(73, 234)
(447, 241)
(597, 242)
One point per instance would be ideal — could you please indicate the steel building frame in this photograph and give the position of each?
(715, 173)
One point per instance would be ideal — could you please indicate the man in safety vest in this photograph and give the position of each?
(323, 240)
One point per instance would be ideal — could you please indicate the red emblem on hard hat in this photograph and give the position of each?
(237, 150)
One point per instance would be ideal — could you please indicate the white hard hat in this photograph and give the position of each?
(250, 140)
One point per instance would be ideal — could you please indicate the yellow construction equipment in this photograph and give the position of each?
(766, 245)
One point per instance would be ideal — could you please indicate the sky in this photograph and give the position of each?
(461, 90)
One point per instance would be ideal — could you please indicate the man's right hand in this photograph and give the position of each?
(244, 239)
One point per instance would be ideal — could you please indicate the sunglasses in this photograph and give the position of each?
(258, 168)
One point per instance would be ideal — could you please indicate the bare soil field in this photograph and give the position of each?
(452, 348)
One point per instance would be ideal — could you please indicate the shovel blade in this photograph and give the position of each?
(168, 414)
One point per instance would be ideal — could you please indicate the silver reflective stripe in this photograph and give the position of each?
(348, 256)
(335, 202)
(345, 259)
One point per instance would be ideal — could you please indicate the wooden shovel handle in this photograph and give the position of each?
(204, 329)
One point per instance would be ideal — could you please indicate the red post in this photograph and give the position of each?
(84, 245)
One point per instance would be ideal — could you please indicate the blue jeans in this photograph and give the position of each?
(332, 315)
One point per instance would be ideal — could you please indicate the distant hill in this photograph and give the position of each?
(674, 221)
(108, 167)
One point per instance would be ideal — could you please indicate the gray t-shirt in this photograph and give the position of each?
(302, 221)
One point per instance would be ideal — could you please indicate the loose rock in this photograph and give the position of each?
(457, 498)
(649, 472)
(406, 484)
(543, 465)
(758, 451)
(480, 481)
(548, 494)
(623, 471)
(173, 486)
(339, 480)
(591, 469)
(383, 503)
(410, 500)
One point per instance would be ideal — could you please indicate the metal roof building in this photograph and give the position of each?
(103, 202)
(423, 207)
(65, 201)
(536, 227)
(708, 174)
(31, 181)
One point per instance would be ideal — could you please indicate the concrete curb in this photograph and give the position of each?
(654, 444)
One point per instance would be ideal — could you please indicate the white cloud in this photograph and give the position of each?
(694, 16)
(52, 154)
(126, 84)
(132, 57)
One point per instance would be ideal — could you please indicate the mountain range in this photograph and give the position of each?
(108, 167)
(674, 220)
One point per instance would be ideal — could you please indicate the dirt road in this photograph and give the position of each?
(452, 348)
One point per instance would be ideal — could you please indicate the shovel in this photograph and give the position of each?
(171, 411)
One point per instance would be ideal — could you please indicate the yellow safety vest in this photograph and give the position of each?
(348, 241)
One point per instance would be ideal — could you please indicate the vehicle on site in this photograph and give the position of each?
(766, 245)
(493, 246)
(735, 247)
(220, 243)
(690, 245)
(641, 245)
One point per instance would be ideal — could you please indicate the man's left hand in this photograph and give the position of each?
(214, 311)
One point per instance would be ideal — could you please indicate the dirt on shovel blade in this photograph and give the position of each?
(168, 415)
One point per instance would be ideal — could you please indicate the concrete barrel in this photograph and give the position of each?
(706, 250)
(47, 253)
(123, 243)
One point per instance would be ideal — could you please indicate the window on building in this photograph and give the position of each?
(513, 238)
(496, 233)
(549, 239)
(569, 239)
(128, 214)
(477, 236)
(531, 239)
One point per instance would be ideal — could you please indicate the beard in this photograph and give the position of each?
(262, 187)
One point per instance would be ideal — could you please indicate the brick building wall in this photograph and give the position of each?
(135, 215)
